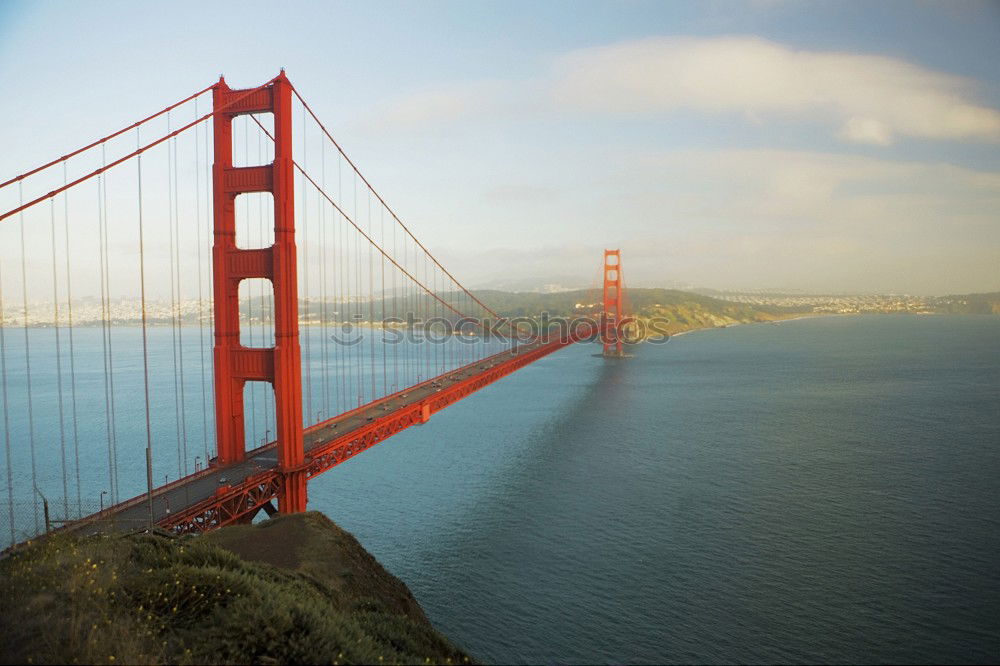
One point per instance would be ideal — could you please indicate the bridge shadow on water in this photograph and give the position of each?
(525, 544)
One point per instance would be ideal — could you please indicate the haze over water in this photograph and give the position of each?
(817, 490)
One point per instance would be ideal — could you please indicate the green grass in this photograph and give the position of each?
(151, 598)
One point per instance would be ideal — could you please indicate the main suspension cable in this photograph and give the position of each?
(382, 201)
(351, 220)
(99, 142)
(138, 151)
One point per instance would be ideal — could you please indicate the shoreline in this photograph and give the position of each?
(770, 321)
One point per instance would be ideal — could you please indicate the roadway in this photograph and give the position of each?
(202, 485)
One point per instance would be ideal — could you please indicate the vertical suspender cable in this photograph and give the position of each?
(357, 286)
(72, 354)
(357, 298)
(180, 329)
(395, 303)
(59, 383)
(439, 314)
(345, 371)
(109, 386)
(27, 359)
(385, 369)
(371, 299)
(210, 270)
(104, 321)
(411, 315)
(333, 392)
(6, 414)
(111, 354)
(171, 223)
(201, 292)
(428, 305)
(305, 279)
(145, 345)
(322, 290)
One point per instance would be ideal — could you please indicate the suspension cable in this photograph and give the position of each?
(59, 382)
(201, 290)
(322, 291)
(99, 142)
(138, 151)
(106, 338)
(367, 237)
(6, 415)
(180, 322)
(382, 201)
(371, 301)
(307, 343)
(27, 363)
(211, 280)
(72, 354)
(171, 225)
(145, 342)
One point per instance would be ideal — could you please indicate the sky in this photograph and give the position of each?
(773, 144)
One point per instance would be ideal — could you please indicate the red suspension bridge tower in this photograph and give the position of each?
(235, 364)
(613, 317)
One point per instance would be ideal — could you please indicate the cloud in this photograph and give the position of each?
(868, 99)
(872, 98)
(438, 106)
(753, 219)
(812, 219)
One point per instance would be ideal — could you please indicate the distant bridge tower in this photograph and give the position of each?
(613, 317)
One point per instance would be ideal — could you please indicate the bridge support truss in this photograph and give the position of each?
(235, 364)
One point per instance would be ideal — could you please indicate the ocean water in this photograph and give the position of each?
(820, 490)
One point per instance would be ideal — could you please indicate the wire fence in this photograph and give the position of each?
(18, 521)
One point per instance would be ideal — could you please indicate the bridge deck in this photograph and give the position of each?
(220, 495)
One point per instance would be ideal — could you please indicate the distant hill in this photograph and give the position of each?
(987, 303)
(684, 310)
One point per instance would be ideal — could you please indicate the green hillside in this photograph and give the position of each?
(683, 310)
(294, 589)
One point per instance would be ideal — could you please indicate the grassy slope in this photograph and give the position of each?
(293, 589)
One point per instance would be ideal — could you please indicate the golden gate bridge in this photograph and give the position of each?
(310, 283)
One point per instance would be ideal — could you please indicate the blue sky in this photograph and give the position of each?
(847, 146)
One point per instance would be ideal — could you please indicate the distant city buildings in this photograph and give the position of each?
(839, 304)
(90, 311)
